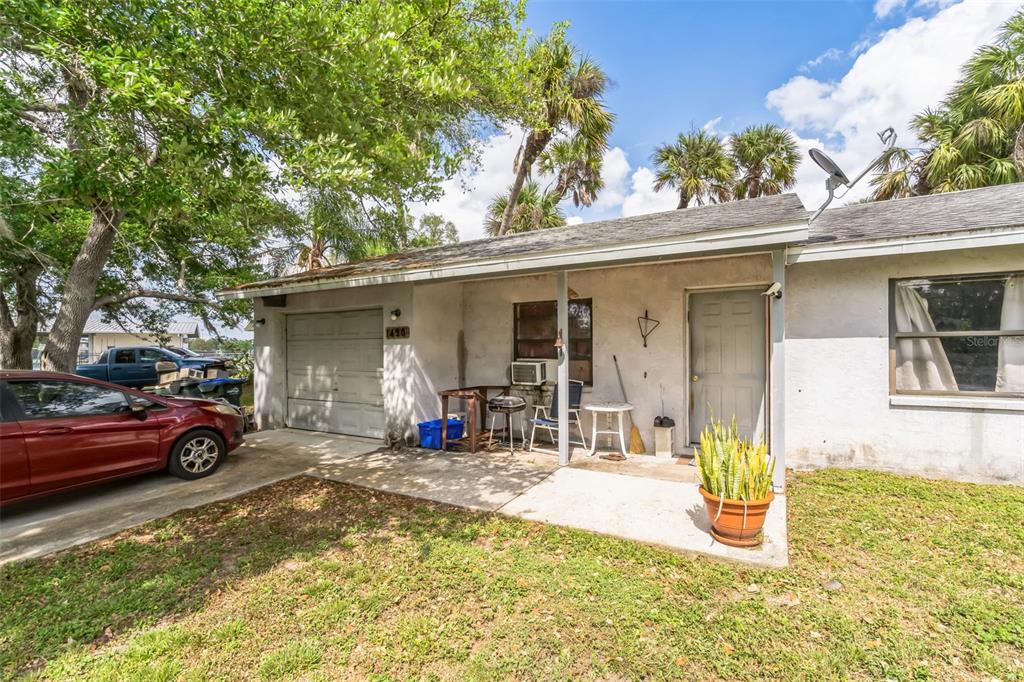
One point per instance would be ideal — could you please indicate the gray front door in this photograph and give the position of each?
(727, 361)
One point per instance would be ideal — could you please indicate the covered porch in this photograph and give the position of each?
(713, 345)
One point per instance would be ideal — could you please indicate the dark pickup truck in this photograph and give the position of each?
(136, 367)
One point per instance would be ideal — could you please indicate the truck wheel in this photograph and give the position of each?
(197, 454)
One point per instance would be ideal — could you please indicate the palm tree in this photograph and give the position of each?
(535, 209)
(766, 158)
(898, 175)
(698, 166)
(568, 90)
(577, 171)
(975, 137)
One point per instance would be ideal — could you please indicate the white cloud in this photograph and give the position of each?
(935, 4)
(884, 8)
(905, 70)
(711, 125)
(829, 55)
(615, 173)
(464, 198)
(644, 199)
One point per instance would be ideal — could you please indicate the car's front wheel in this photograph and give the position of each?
(197, 454)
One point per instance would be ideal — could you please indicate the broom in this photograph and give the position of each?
(636, 441)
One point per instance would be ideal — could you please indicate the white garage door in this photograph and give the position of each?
(335, 366)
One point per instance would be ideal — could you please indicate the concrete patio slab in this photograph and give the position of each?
(482, 481)
(668, 513)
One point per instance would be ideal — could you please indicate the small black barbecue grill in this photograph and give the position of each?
(507, 405)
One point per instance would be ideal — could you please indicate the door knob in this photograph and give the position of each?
(695, 378)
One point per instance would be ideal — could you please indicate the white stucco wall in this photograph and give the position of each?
(414, 368)
(101, 342)
(619, 296)
(837, 386)
(837, 407)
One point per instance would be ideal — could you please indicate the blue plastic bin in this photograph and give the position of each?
(225, 387)
(430, 432)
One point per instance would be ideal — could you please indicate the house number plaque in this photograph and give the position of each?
(398, 332)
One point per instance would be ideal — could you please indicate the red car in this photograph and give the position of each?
(60, 431)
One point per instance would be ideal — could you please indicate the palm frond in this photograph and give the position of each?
(535, 209)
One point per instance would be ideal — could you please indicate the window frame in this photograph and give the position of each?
(516, 339)
(158, 352)
(25, 416)
(894, 336)
(133, 361)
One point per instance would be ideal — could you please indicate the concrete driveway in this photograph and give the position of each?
(478, 482)
(50, 524)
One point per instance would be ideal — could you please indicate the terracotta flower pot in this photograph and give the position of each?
(739, 523)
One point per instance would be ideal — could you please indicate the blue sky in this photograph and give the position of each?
(681, 63)
(833, 72)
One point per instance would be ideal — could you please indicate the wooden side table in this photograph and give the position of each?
(607, 408)
(476, 399)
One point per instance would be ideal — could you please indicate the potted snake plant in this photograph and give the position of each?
(736, 483)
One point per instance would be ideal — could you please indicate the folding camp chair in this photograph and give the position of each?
(547, 417)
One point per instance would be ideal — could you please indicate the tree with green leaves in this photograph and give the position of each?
(566, 92)
(536, 209)
(766, 158)
(334, 231)
(145, 143)
(698, 165)
(975, 137)
(431, 230)
(576, 169)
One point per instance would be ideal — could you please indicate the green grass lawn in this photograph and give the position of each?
(311, 579)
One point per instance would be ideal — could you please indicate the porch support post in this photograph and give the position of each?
(563, 369)
(777, 373)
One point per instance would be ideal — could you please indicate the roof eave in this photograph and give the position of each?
(1012, 235)
(739, 239)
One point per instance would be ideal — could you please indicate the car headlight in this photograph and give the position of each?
(221, 408)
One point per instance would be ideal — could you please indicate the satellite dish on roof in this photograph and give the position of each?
(837, 178)
(829, 166)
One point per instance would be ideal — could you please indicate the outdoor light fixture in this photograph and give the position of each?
(260, 322)
(395, 314)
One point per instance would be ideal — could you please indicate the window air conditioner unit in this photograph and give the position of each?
(529, 372)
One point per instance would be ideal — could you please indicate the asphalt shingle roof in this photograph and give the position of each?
(989, 207)
(762, 212)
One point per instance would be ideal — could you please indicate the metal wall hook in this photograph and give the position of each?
(647, 325)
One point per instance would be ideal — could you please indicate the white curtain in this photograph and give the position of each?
(1010, 372)
(922, 363)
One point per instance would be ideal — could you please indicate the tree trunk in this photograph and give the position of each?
(18, 333)
(1018, 153)
(684, 200)
(79, 297)
(535, 144)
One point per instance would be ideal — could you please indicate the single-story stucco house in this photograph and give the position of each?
(99, 336)
(887, 335)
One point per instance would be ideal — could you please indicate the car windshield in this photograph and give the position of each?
(183, 352)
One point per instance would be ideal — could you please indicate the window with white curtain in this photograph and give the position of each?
(960, 335)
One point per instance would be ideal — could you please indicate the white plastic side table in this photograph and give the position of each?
(607, 408)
